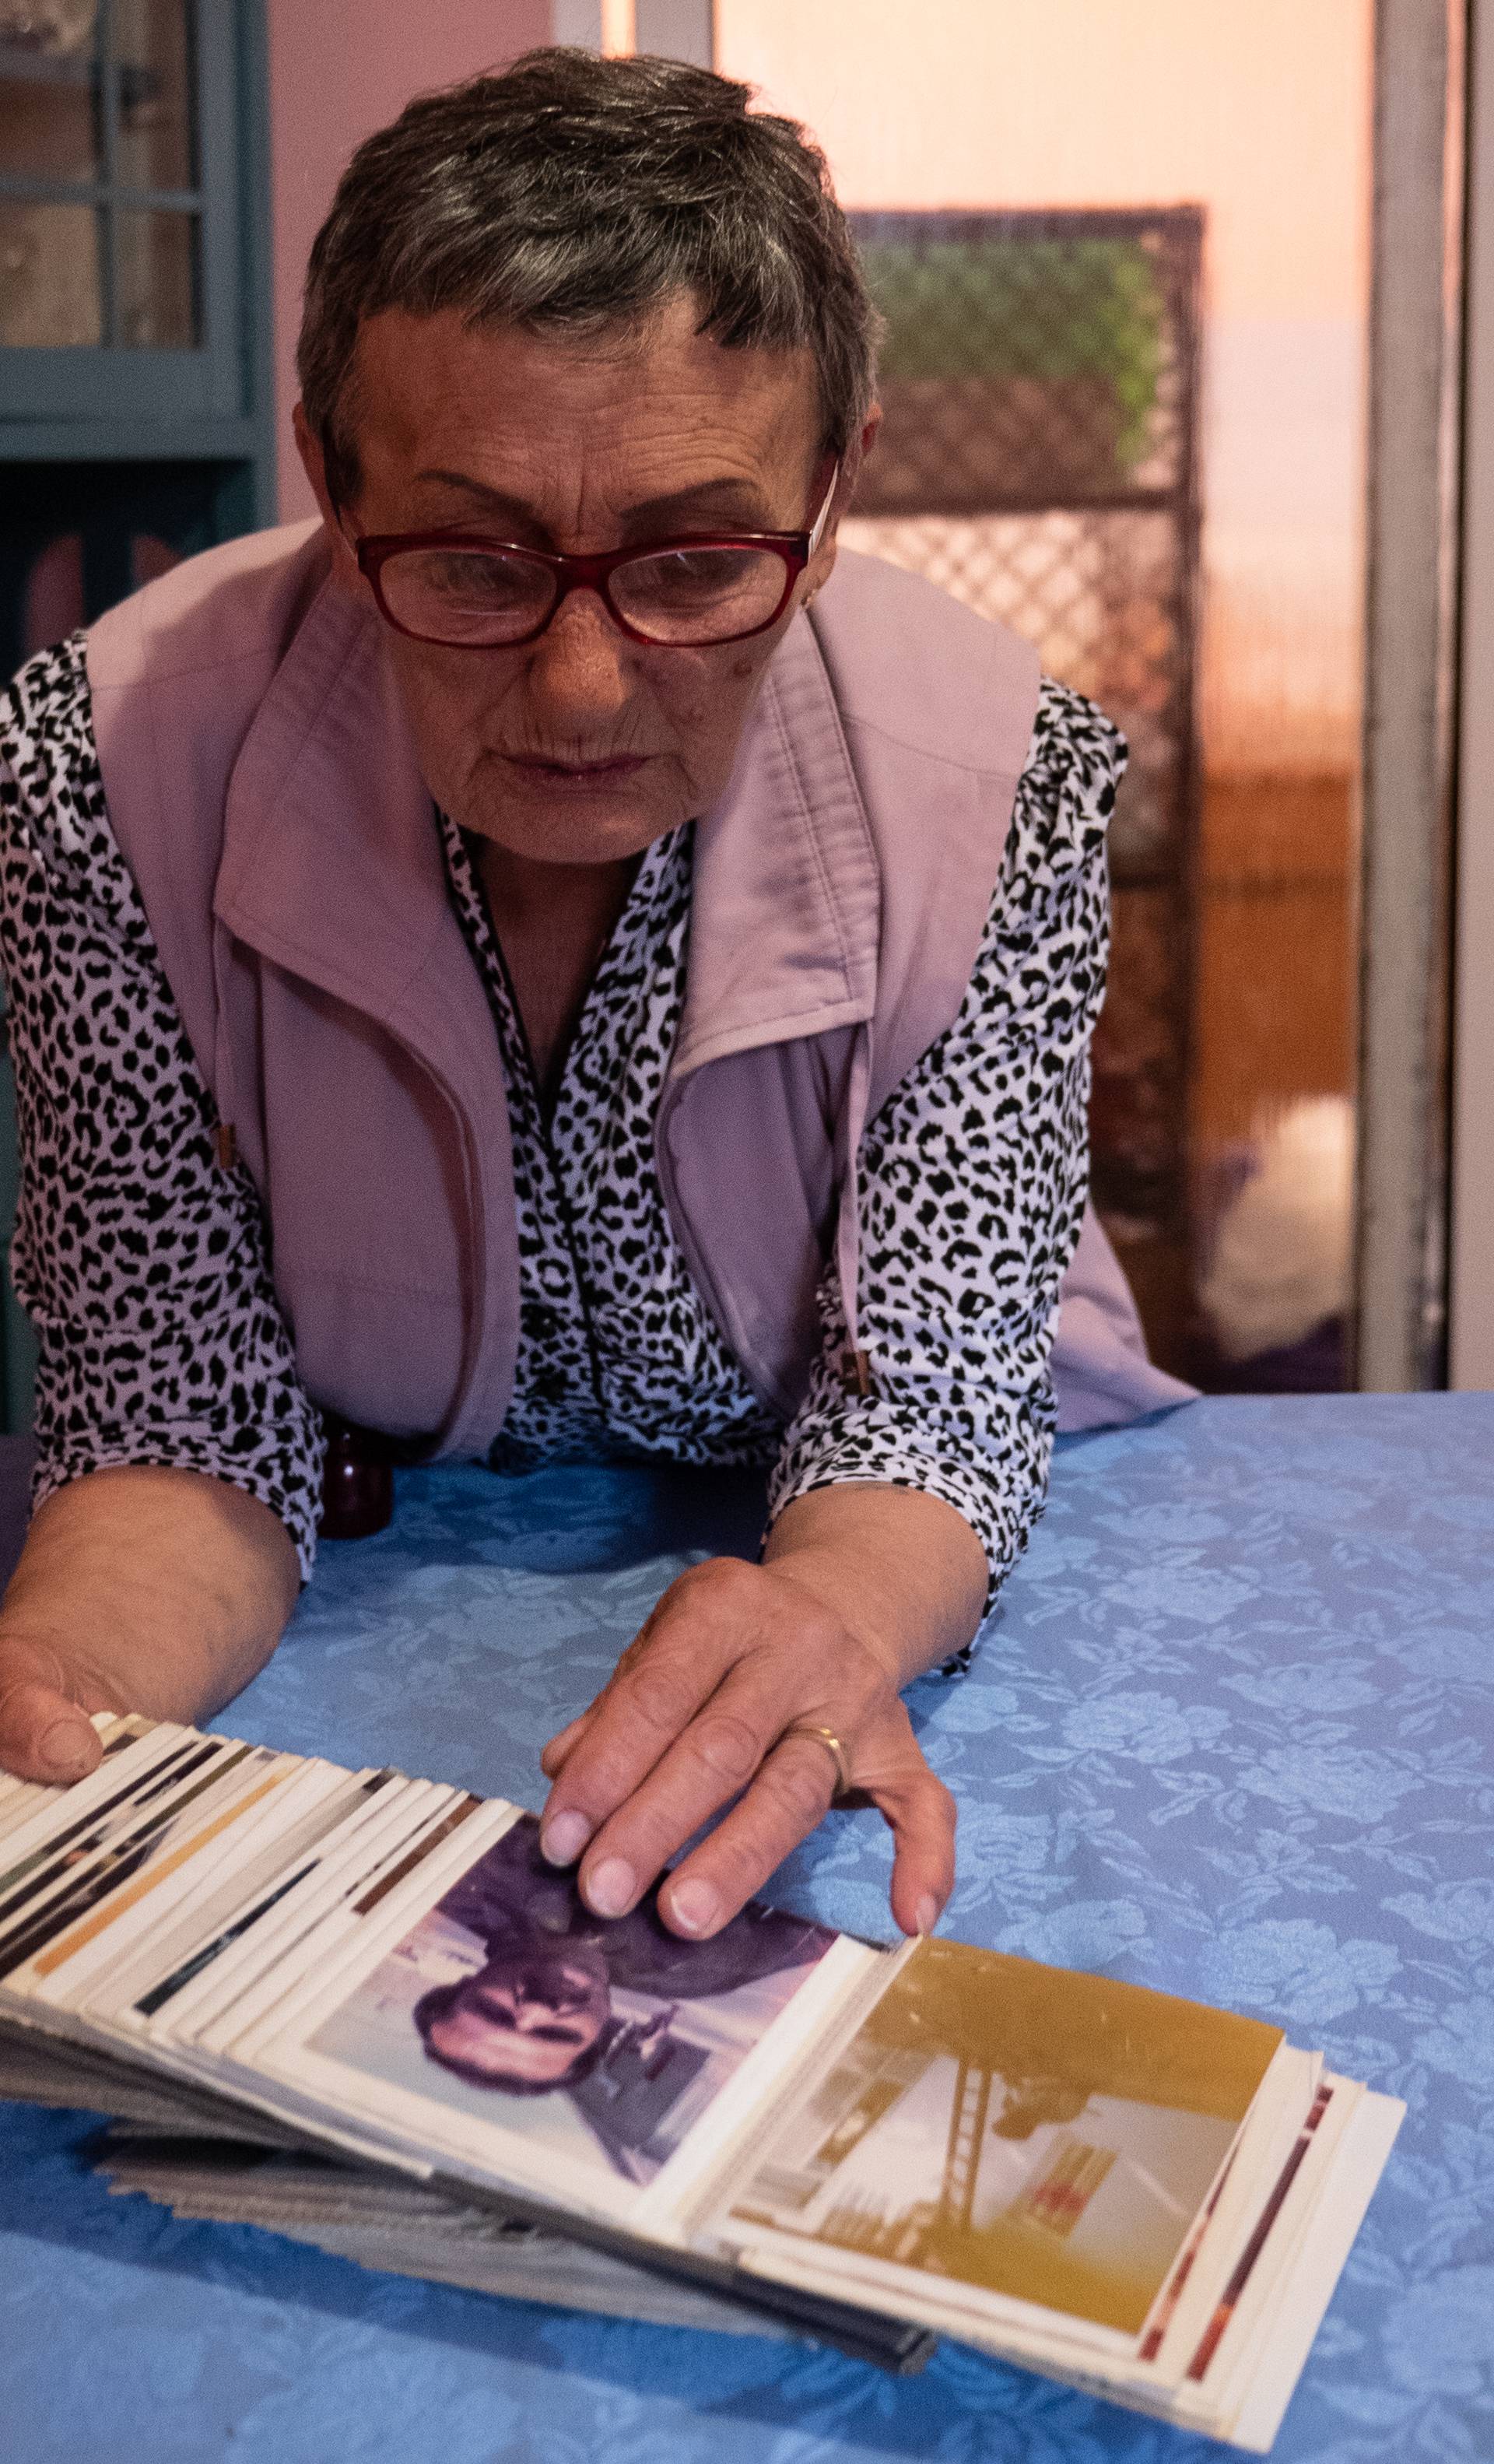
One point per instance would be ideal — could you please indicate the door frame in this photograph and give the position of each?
(1471, 1264)
(1410, 681)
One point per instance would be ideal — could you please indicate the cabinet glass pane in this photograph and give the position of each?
(48, 89)
(156, 297)
(50, 291)
(152, 45)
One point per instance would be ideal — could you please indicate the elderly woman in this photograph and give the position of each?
(495, 966)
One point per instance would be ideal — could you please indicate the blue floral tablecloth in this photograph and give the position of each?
(1231, 1732)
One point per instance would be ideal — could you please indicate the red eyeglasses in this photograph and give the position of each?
(470, 593)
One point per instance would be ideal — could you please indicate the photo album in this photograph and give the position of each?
(360, 2009)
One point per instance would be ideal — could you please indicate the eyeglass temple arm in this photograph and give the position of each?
(817, 533)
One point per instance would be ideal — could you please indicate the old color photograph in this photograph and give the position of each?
(1043, 2135)
(511, 2004)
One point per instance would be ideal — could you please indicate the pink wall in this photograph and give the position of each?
(338, 70)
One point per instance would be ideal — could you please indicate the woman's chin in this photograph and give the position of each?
(553, 816)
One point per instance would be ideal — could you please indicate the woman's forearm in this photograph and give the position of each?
(138, 1590)
(903, 1568)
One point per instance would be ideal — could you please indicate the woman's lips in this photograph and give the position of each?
(610, 772)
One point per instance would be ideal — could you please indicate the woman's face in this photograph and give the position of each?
(582, 747)
(528, 2016)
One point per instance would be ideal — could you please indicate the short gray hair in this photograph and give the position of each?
(573, 193)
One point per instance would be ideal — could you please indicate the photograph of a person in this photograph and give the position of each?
(512, 2004)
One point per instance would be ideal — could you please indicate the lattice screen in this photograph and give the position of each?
(1038, 458)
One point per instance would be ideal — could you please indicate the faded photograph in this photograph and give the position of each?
(72, 1877)
(72, 1837)
(510, 2003)
(1043, 2136)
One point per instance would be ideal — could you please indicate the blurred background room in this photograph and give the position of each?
(1184, 320)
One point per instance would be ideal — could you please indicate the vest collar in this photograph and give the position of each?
(331, 865)
(333, 871)
(785, 917)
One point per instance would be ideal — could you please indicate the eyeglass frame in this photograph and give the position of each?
(796, 549)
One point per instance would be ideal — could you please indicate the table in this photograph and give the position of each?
(1231, 1732)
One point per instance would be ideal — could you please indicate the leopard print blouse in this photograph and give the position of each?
(145, 1267)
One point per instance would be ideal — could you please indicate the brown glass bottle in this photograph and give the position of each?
(357, 1482)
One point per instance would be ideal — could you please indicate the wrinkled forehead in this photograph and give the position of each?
(581, 426)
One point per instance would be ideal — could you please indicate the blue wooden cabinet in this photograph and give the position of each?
(136, 422)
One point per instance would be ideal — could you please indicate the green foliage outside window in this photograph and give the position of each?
(1048, 309)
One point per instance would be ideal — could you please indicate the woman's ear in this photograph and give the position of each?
(314, 463)
(823, 565)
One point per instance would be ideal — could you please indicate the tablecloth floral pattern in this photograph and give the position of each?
(1231, 1733)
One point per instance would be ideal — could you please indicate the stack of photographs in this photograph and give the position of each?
(360, 2009)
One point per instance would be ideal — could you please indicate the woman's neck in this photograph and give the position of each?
(553, 921)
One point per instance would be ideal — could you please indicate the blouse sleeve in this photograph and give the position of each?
(143, 1264)
(974, 1177)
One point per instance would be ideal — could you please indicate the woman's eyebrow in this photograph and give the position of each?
(727, 500)
(509, 510)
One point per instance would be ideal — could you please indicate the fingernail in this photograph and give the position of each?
(926, 1916)
(562, 1840)
(64, 1750)
(694, 1907)
(611, 1888)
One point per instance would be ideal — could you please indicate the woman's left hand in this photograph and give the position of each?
(711, 1704)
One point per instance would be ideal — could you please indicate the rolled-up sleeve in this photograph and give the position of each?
(141, 1261)
(973, 1183)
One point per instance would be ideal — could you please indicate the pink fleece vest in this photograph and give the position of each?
(264, 790)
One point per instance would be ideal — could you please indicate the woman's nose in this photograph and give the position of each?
(579, 668)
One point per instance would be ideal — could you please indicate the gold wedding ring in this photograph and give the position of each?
(827, 1738)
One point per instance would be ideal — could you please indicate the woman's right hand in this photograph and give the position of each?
(45, 1732)
(138, 1590)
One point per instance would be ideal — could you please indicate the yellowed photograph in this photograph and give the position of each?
(1042, 2136)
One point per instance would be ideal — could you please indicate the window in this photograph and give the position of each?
(121, 209)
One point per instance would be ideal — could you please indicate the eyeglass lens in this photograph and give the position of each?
(686, 598)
